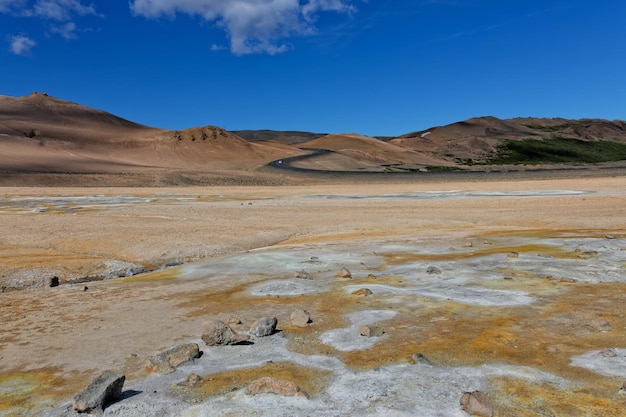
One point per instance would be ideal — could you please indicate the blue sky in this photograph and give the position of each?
(375, 67)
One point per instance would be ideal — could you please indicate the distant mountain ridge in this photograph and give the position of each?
(40, 133)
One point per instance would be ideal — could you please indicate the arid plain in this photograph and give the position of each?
(512, 284)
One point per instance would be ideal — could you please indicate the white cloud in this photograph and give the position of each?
(21, 45)
(252, 25)
(10, 6)
(61, 10)
(66, 30)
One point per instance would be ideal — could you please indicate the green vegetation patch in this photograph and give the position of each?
(557, 150)
(557, 128)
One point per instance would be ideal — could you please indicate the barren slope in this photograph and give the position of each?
(477, 138)
(40, 133)
(357, 152)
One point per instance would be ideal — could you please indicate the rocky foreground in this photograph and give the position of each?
(433, 300)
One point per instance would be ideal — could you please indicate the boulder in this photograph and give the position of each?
(264, 327)
(166, 362)
(103, 390)
(300, 318)
(218, 333)
(477, 403)
(271, 385)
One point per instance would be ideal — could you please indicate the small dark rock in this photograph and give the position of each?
(433, 270)
(54, 282)
(302, 274)
(421, 359)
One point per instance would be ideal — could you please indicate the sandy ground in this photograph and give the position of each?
(251, 240)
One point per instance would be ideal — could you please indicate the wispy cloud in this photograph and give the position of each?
(66, 30)
(252, 26)
(60, 10)
(21, 45)
(60, 16)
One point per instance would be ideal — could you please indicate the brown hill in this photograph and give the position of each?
(356, 152)
(40, 133)
(477, 138)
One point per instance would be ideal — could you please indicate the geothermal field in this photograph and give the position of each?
(413, 293)
(477, 268)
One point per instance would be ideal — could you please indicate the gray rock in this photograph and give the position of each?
(477, 403)
(433, 270)
(167, 361)
(101, 391)
(421, 359)
(217, 333)
(264, 327)
(302, 274)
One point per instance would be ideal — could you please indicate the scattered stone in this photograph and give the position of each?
(345, 273)
(513, 255)
(54, 282)
(371, 276)
(192, 380)
(586, 254)
(622, 389)
(166, 362)
(101, 391)
(85, 288)
(607, 353)
(508, 277)
(363, 292)
(611, 237)
(300, 318)
(219, 333)
(233, 321)
(477, 403)
(421, 359)
(600, 325)
(302, 274)
(264, 327)
(468, 245)
(371, 331)
(271, 385)
(569, 280)
(433, 270)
